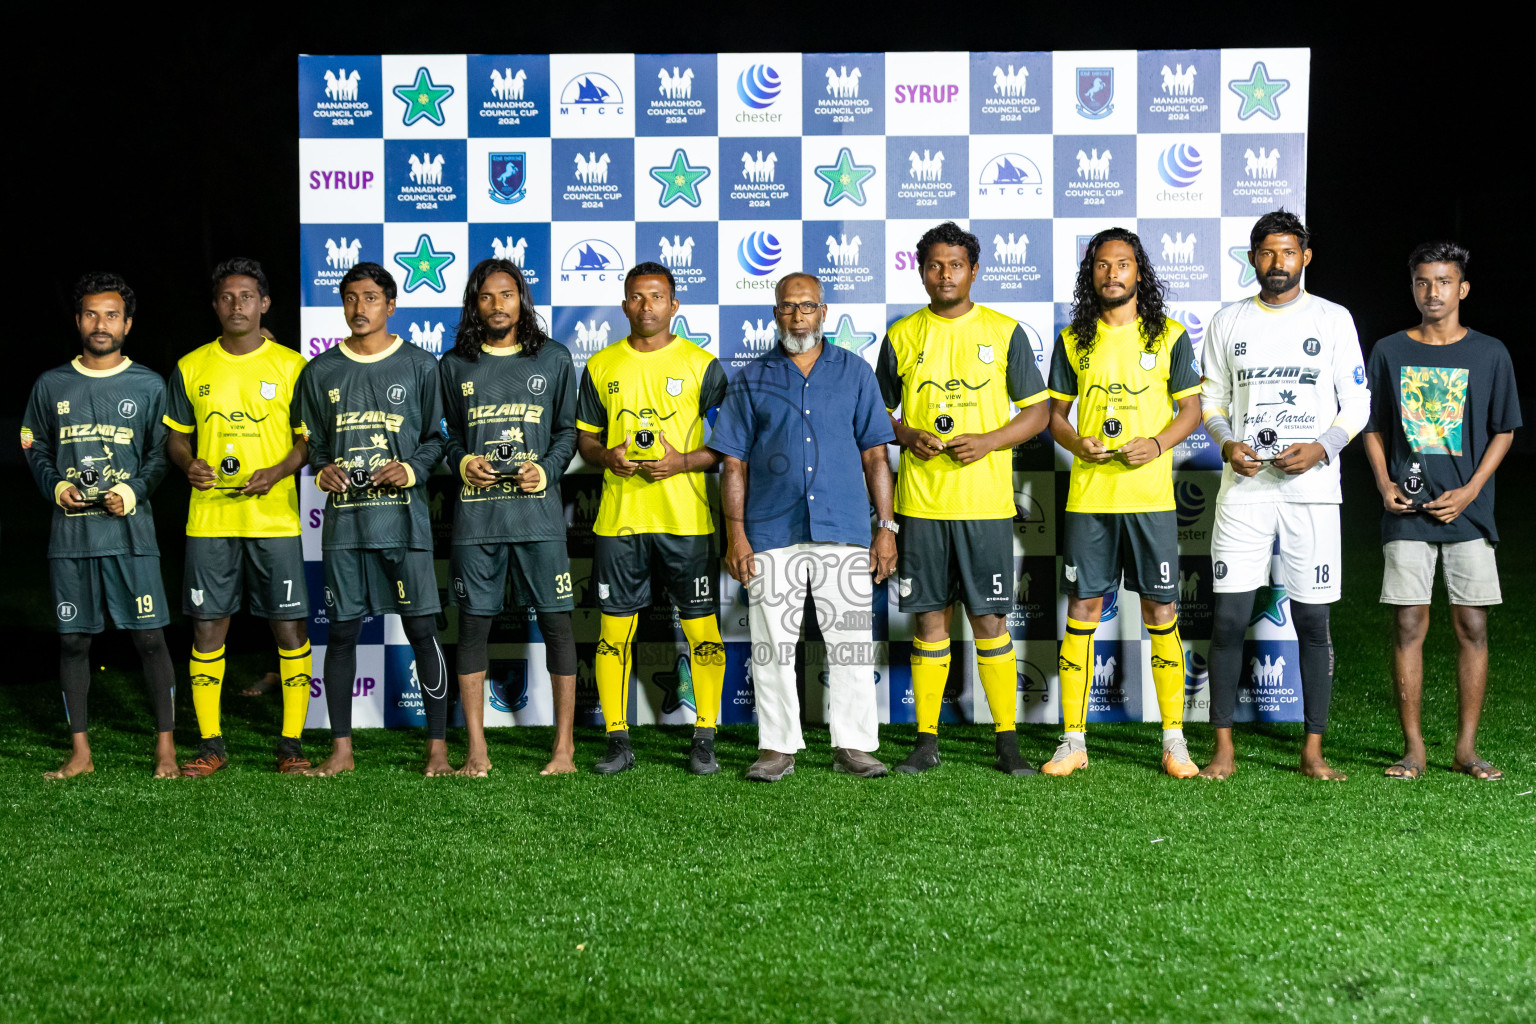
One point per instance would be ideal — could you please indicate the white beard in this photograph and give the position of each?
(795, 344)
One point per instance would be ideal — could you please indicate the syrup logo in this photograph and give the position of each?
(758, 86)
(759, 253)
(591, 91)
(1180, 165)
(340, 181)
(943, 92)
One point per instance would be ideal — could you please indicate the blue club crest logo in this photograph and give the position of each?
(759, 86)
(508, 173)
(1095, 91)
(507, 682)
(759, 253)
(591, 89)
(1180, 165)
(1190, 499)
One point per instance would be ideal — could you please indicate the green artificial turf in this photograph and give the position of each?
(962, 895)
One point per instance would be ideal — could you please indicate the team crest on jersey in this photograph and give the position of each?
(396, 394)
(268, 390)
(906, 586)
(984, 353)
(127, 407)
(1071, 573)
(66, 611)
(1149, 360)
(674, 386)
(602, 591)
(537, 384)
(197, 598)
(1311, 346)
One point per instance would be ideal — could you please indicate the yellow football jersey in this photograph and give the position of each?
(669, 392)
(968, 375)
(1123, 389)
(242, 410)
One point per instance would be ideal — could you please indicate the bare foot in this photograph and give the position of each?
(437, 760)
(1219, 768)
(262, 685)
(560, 763)
(333, 765)
(477, 765)
(1317, 768)
(78, 764)
(166, 767)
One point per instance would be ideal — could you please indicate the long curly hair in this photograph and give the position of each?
(1151, 303)
(529, 330)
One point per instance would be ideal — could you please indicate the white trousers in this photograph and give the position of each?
(837, 578)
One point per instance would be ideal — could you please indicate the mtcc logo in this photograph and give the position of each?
(591, 91)
(1010, 169)
(759, 86)
(1180, 165)
(759, 253)
(1190, 499)
(592, 254)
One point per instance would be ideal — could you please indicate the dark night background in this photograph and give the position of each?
(170, 142)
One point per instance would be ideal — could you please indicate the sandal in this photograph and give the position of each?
(1405, 769)
(1480, 770)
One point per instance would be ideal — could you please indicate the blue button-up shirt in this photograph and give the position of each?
(802, 438)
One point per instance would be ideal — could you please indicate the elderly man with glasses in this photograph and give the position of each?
(803, 432)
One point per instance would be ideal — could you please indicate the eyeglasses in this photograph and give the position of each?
(788, 308)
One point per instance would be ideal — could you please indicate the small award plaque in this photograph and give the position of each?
(1413, 485)
(644, 443)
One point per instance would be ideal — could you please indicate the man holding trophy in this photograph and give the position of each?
(1444, 408)
(509, 408)
(93, 439)
(235, 433)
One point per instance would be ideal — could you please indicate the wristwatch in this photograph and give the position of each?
(886, 524)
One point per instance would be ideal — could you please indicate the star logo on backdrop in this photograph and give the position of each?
(847, 337)
(845, 179)
(423, 98)
(424, 266)
(1274, 607)
(680, 329)
(1248, 276)
(676, 687)
(1259, 93)
(680, 180)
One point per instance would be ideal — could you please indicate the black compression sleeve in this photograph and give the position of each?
(340, 674)
(158, 675)
(1229, 625)
(431, 672)
(75, 676)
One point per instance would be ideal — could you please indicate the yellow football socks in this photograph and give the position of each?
(930, 672)
(1168, 672)
(706, 655)
(999, 674)
(295, 673)
(207, 686)
(615, 637)
(1076, 650)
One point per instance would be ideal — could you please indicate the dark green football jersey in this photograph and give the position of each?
(361, 412)
(510, 409)
(96, 430)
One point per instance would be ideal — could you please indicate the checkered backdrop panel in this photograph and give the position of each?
(735, 168)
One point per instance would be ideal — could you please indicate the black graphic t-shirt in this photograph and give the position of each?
(1436, 407)
(510, 409)
(361, 412)
(97, 431)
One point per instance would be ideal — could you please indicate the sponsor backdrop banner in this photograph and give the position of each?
(733, 169)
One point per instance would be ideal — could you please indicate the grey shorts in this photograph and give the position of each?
(1471, 573)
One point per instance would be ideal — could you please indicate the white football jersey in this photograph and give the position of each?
(1283, 375)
